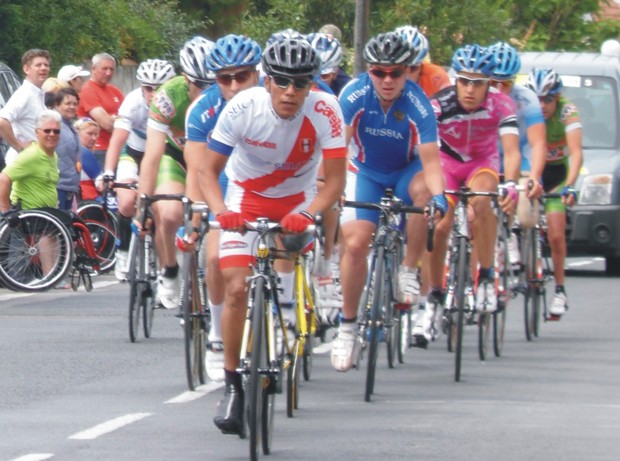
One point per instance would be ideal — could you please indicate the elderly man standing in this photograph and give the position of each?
(100, 100)
(18, 116)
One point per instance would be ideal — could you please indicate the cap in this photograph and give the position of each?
(333, 30)
(69, 72)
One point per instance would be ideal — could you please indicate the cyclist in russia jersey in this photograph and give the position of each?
(473, 135)
(378, 136)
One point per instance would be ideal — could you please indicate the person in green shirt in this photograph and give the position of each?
(32, 177)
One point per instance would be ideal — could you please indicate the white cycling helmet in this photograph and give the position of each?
(154, 72)
(193, 59)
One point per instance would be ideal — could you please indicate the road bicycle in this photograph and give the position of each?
(380, 317)
(193, 306)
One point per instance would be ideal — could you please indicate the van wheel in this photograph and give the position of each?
(612, 265)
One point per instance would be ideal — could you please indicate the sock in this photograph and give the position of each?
(485, 273)
(171, 272)
(560, 289)
(232, 378)
(215, 333)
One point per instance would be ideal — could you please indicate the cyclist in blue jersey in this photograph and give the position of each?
(392, 137)
(330, 52)
(233, 60)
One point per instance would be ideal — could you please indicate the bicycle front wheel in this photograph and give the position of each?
(136, 286)
(461, 285)
(150, 288)
(531, 302)
(194, 335)
(403, 331)
(254, 385)
(499, 316)
(374, 329)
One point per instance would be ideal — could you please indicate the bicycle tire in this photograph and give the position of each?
(461, 284)
(390, 317)
(103, 227)
(194, 335)
(485, 325)
(21, 246)
(136, 288)
(254, 382)
(149, 298)
(404, 333)
(292, 384)
(311, 327)
(499, 316)
(531, 299)
(373, 327)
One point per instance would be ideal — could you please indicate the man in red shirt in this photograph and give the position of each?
(100, 101)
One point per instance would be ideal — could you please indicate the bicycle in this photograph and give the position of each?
(459, 305)
(380, 317)
(193, 306)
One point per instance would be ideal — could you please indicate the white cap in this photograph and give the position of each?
(69, 72)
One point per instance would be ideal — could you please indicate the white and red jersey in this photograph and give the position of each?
(274, 157)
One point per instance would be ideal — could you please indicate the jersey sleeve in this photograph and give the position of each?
(21, 167)
(507, 115)
(350, 99)
(201, 118)
(426, 122)
(570, 117)
(225, 134)
(162, 111)
(330, 126)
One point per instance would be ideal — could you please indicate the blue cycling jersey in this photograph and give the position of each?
(203, 113)
(386, 141)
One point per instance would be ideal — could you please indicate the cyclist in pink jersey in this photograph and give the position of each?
(271, 141)
(471, 116)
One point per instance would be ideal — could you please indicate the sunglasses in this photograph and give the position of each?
(149, 88)
(239, 77)
(502, 83)
(284, 82)
(475, 82)
(547, 99)
(49, 130)
(393, 74)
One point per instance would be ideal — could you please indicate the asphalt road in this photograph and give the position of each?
(73, 387)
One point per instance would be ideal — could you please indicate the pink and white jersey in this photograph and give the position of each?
(471, 135)
(273, 157)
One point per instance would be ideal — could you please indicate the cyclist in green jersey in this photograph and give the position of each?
(564, 160)
(163, 168)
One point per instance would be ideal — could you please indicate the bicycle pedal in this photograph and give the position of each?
(554, 318)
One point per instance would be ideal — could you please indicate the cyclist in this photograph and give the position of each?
(271, 140)
(163, 166)
(392, 135)
(233, 60)
(564, 160)
(330, 52)
(430, 77)
(126, 148)
(472, 116)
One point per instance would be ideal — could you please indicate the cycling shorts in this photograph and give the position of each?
(458, 173)
(366, 185)
(238, 250)
(129, 164)
(170, 171)
(554, 180)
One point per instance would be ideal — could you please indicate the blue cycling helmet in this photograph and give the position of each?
(285, 33)
(507, 61)
(233, 51)
(417, 40)
(474, 59)
(388, 49)
(329, 51)
(544, 82)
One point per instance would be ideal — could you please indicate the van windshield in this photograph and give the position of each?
(596, 99)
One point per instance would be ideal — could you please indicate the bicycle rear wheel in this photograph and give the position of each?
(36, 251)
(378, 300)
(136, 286)
(103, 227)
(194, 334)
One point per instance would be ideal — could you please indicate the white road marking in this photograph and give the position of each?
(581, 263)
(109, 426)
(200, 391)
(34, 457)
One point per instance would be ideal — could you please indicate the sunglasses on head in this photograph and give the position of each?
(393, 74)
(50, 130)
(547, 99)
(239, 77)
(284, 82)
(475, 82)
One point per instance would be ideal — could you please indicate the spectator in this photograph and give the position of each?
(18, 117)
(68, 150)
(73, 76)
(31, 179)
(88, 132)
(100, 100)
(51, 86)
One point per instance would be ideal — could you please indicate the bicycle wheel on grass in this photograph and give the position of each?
(378, 299)
(194, 334)
(36, 251)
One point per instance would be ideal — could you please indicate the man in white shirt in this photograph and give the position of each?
(18, 117)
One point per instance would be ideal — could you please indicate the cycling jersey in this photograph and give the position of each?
(132, 117)
(275, 157)
(564, 119)
(433, 78)
(386, 141)
(167, 114)
(203, 113)
(468, 135)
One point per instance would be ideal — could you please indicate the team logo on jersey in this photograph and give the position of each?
(568, 111)
(306, 145)
(257, 143)
(164, 104)
(335, 122)
(398, 115)
(233, 245)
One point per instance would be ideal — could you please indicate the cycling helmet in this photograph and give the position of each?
(544, 82)
(329, 50)
(154, 72)
(389, 48)
(507, 61)
(417, 40)
(284, 34)
(193, 57)
(475, 59)
(291, 58)
(233, 51)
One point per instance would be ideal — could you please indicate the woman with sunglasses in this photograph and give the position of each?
(126, 148)
(233, 60)
(563, 162)
(271, 140)
(163, 169)
(392, 137)
(473, 118)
